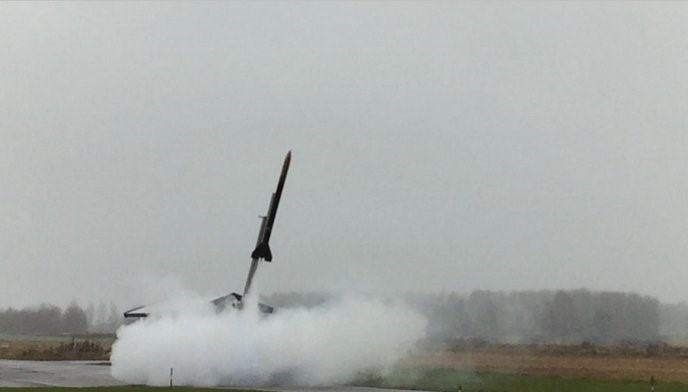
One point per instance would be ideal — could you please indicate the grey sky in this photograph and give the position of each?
(437, 146)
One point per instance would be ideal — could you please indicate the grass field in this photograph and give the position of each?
(443, 380)
(90, 347)
(446, 380)
(449, 380)
(496, 368)
(566, 364)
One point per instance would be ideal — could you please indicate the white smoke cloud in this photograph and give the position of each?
(324, 345)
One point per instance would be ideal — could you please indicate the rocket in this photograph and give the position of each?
(261, 252)
(262, 249)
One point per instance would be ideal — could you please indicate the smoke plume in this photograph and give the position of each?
(323, 345)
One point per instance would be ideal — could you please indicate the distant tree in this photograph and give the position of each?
(642, 317)
(90, 316)
(114, 319)
(101, 318)
(484, 314)
(560, 320)
(674, 320)
(41, 320)
(74, 320)
(602, 326)
(447, 317)
(47, 320)
(526, 309)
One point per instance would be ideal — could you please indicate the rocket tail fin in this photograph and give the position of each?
(262, 251)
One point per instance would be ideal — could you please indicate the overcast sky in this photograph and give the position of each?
(436, 146)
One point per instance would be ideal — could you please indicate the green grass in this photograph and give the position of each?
(446, 380)
(449, 380)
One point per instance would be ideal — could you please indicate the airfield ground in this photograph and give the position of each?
(429, 380)
(82, 376)
(114, 389)
(449, 380)
(634, 363)
(47, 348)
(483, 368)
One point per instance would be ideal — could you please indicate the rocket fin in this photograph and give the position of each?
(262, 251)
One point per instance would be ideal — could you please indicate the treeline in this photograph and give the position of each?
(571, 316)
(49, 319)
(542, 316)
(673, 321)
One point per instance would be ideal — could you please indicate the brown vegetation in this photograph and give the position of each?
(619, 362)
(56, 348)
